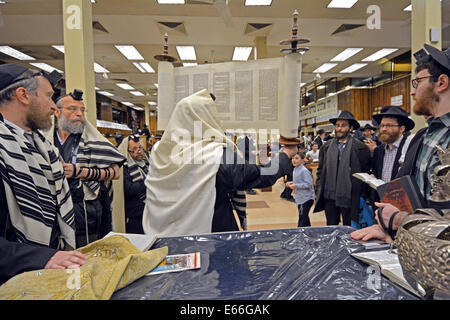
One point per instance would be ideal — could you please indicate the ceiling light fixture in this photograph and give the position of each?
(354, 68)
(137, 93)
(45, 67)
(105, 93)
(124, 86)
(15, 53)
(241, 53)
(379, 54)
(346, 54)
(186, 52)
(342, 4)
(258, 2)
(130, 52)
(144, 67)
(59, 48)
(99, 69)
(190, 64)
(325, 67)
(170, 1)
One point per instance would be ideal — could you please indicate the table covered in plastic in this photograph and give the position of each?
(285, 264)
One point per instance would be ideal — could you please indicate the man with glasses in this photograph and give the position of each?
(36, 212)
(431, 93)
(338, 191)
(130, 188)
(90, 163)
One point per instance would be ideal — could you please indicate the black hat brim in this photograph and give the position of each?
(353, 123)
(407, 122)
(439, 56)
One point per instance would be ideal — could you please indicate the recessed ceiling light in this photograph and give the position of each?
(241, 53)
(143, 67)
(342, 4)
(258, 2)
(346, 54)
(124, 86)
(408, 8)
(59, 48)
(129, 104)
(190, 64)
(45, 67)
(170, 1)
(130, 52)
(152, 103)
(156, 85)
(380, 54)
(325, 67)
(99, 69)
(137, 93)
(354, 67)
(92, 1)
(186, 52)
(106, 93)
(15, 53)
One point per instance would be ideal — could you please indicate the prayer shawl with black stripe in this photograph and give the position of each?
(37, 193)
(94, 151)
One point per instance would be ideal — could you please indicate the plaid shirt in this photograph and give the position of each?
(438, 133)
(389, 158)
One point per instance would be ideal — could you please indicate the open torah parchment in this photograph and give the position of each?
(258, 94)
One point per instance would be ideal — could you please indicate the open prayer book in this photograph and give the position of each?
(141, 241)
(390, 267)
(178, 262)
(367, 178)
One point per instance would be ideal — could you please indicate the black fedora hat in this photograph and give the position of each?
(395, 112)
(367, 126)
(346, 115)
(441, 57)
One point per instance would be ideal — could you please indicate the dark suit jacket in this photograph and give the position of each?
(360, 157)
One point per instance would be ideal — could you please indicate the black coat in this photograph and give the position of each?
(235, 176)
(16, 257)
(360, 157)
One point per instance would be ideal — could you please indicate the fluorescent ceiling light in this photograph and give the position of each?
(186, 52)
(130, 52)
(143, 67)
(170, 1)
(380, 54)
(99, 69)
(124, 86)
(15, 53)
(97, 88)
(137, 93)
(258, 2)
(302, 84)
(354, 67)
(129, 104)
(59, 48)
(106, 93)
(408, 8)
(241, 53)
(156, 85)
(138, 108)
(190, 64)
(346, 54)
(45, 67)
(152, 103)
(92, 1)
(341, 3)
(325, 67)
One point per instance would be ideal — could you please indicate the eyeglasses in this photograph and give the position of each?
(388, 126)
(415, 82)
(136, 150)
(74, 109)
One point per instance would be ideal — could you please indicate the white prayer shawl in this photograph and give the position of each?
(181, 194)
(37, 193)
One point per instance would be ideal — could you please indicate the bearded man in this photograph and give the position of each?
(338, 191)
(90, 163)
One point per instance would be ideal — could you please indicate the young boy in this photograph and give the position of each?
(304, 189)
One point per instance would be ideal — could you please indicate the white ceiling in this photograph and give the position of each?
(32, 26)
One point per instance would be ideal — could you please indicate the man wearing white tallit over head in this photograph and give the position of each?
(190, 177)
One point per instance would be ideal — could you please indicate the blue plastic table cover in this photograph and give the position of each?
(284, 264)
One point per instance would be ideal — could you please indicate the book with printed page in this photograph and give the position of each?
(141, 241)
(390, 267)
(178, 262)
(403, 192)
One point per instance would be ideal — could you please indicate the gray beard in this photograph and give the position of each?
(66, 125)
